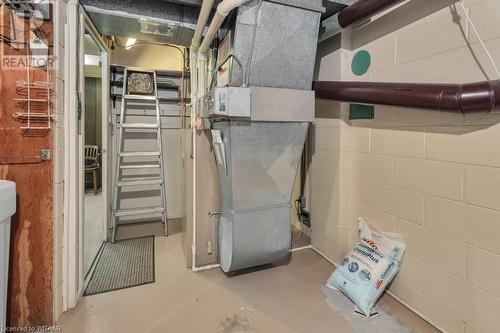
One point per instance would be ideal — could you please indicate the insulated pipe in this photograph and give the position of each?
(206, 7)
(358, 11)
(469, 98)
(223, 9)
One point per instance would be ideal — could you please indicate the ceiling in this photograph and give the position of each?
(166, 21)
(151, 20)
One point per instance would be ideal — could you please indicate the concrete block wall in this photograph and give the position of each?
(433, 177)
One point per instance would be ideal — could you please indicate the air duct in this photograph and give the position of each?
(356, 12)
(256, 176)
(469, 98)
(259, 130)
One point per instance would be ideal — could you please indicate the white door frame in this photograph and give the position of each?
(106, 121)
(74, 135)
(73, 178)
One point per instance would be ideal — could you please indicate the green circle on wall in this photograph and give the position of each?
(361, 62)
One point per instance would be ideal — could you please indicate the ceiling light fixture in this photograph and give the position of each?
(130, 43)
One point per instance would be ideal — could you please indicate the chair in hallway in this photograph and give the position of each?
(92, 163)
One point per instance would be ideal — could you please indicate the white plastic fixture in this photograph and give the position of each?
(130, 42)
(7, 209)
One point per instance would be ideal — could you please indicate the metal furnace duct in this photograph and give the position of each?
(286, 36)
(257, 166)
(276, 42)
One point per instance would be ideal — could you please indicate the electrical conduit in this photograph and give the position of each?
(205, 10)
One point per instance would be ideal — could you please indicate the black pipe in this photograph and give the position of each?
(363, 9)
(469, 98)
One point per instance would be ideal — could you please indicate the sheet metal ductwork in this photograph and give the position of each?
(256, 185)
(469, 98)
(285, 43)
(152, 20)
(259, 152)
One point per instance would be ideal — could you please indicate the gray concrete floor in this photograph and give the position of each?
(93, 233)
(281, 298)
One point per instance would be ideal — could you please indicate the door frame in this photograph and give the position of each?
(74, 138)
(106, 121)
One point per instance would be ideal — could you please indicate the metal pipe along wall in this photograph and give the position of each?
(363, 9)
(469, 98)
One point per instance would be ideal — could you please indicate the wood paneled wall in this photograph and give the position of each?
(30, 299)
(93, 111)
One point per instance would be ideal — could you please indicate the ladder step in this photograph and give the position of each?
(139, 211)
(139, 153)
(140, 181)
(139, 125)
(140, 166)
(139, 98)
(131, 104)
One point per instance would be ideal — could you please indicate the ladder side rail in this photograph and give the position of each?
(161, 159)
(118, 158)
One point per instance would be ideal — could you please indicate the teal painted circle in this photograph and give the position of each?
(361, 63)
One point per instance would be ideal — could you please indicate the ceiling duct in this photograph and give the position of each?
(152, 20)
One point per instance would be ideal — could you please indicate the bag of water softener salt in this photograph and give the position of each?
(366, 270)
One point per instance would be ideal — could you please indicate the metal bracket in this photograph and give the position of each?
(214, 213)
(45, 155)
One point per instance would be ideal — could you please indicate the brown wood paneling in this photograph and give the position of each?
(93, 121)
(93, 111)
(30, 299)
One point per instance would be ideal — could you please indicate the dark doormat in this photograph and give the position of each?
(127, 263)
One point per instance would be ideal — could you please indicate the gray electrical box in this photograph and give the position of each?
(228, 102)
(260, 104)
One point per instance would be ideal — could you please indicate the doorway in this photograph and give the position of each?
(95, 198)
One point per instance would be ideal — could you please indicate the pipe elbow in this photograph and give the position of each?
(206, 7)
(226, 6)
(479, 97)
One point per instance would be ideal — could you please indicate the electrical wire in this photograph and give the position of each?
(231, 55)
(184, 70)
(480, 39)
(116, 40)
(299, 214)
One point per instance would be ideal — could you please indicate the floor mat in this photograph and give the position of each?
(127, 263)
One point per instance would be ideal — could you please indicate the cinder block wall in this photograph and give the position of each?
(433, 177)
